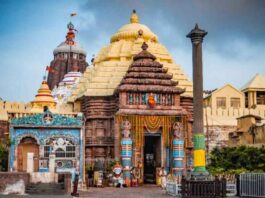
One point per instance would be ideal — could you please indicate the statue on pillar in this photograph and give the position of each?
(126, 152)
(178, 149)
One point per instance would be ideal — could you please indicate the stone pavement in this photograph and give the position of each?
(134, 192)
(108, 192)
(145, 191)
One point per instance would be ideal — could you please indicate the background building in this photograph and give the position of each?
(223, 106)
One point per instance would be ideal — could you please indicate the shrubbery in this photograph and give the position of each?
(235, 160)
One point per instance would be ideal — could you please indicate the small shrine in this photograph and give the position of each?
(44, 141)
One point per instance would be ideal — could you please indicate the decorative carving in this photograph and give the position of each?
(47, 119)
(126, 127)
(151, 101)
(178, 130)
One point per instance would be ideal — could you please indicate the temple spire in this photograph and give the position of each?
(70, 36)
(134, 18)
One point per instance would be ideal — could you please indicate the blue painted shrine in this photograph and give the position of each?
(45, 134)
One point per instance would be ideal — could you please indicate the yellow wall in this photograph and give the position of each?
(228, 92)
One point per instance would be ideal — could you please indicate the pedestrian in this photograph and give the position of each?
(90, 175)
(163, 175)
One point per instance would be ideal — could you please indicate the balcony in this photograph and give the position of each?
(100, 141)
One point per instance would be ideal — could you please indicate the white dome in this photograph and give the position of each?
(63, 91)
(71, 77)
(63, 47)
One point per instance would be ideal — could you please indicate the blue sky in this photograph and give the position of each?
(234, 49)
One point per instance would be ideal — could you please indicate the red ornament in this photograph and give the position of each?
(151, 101)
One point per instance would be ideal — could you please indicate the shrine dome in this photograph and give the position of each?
(69, 45)
(71, 77)
(132, 30)
(65, 48)
(113, 60)
(43, 98)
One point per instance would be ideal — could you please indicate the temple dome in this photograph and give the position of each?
(43, 98)
(71, 77)
(63, 91)
(112, 61)
(65, 48)
(133, 30)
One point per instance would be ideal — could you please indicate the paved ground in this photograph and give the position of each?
(108, 192)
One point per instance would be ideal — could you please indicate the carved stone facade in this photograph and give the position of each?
(99, 126)
(150, 100)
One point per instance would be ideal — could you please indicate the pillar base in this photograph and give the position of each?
(200, 173)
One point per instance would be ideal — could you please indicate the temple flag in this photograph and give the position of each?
(73, 14)
(49, 69)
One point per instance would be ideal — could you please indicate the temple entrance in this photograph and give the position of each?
(152, 156)
(28, 145)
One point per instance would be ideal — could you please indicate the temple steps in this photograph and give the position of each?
(45, 189)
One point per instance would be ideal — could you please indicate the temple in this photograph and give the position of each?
(135, 81)
(69, 56)
(45, 141)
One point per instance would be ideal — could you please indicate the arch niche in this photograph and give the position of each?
(25, 146)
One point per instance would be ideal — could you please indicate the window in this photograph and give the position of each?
(235, 102)
(261, 97)
(47, 151)
(221, 102)
(70, 151)
(59, 152)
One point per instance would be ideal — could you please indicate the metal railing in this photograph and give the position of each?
(203, 189)
(173, 189)
(252, 184)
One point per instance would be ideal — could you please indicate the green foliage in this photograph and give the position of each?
(235, 160)
(4, 149)
(111, 164)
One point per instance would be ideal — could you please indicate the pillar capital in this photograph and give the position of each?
(196, 35)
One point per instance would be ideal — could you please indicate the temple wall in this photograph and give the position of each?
(219, 122)
(99, 127)
(11, 178)
(227, 114)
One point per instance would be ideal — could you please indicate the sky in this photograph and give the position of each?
(233, 50)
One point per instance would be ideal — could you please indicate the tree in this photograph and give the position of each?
(237, 159)
(4, 149)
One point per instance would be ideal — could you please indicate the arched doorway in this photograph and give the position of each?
(28, 145)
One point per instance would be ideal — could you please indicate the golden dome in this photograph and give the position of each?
(43, 98)
(112, 62)
(134, 18)
(134, 30)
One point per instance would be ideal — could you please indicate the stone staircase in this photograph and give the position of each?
(149, 178)
(45, 189)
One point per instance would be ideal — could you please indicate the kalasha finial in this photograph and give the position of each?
(196, 34)
(70, 34)
(144, 46)
(70, 26)
(134, 17)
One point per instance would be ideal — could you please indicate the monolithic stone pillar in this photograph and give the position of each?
(196, 35)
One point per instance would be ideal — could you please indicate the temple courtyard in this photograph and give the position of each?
(144, 191)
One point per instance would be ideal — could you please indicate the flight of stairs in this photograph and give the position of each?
(45, 189)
